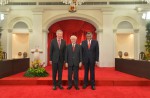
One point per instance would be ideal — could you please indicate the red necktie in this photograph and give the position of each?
(89, 44)
(59, 42)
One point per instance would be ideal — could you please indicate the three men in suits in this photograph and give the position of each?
(90, 56)
(73, 59)
(57, 57)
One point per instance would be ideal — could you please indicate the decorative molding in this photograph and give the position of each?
(114, 30)
(131, 20)
(108, 9)
(37, 11)
(99, 31)
(136, 30)
(45, 31)
(10, 30)
(15, 20)
(5, 9)
(77, 16)
(30, 30)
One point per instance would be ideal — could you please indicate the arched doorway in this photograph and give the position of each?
(71, 27)
(19, 29)
(20, 39)
(125, 39)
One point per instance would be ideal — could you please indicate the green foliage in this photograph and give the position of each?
(147, 46)
(1, 52)
(36, 70)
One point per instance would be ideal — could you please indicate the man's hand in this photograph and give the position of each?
(96, 63)
(80, 64)
(66, 65)
(50, 62)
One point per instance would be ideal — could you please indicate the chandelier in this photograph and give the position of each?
(4, 2)
(76, 2)
(148, 1)
(146, 16)
(73, 4)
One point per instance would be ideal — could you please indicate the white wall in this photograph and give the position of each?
(125, 43)
(20, 43)
(39, 20)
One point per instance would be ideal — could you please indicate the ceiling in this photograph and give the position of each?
(89, 5)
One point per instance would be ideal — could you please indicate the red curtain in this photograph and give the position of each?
(71, 27)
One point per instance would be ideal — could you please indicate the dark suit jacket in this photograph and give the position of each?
(91, 54)
(55, 52)
(73, 58)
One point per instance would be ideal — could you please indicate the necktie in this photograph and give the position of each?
(89, 44)
(73, 47)
(59, 42)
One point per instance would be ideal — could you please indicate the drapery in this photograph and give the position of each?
(70, 27)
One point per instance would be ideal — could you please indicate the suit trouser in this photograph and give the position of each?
(57, 68)
(73, 70)
(89, 66)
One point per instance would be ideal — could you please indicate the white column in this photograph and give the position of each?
(136, 44)
(36, 35)
(115, 41)
(108, 39)
(100, 41)
(4, 34)
(45, 46)
(9, 44)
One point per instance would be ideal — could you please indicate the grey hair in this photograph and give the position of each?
(73, 36)
(59, 31)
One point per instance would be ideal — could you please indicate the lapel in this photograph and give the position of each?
(57, 43)
(91, 43)
(75, 48)
(61, 44)
(86, 43)
(72, 48)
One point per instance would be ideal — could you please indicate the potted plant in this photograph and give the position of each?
(36, 70)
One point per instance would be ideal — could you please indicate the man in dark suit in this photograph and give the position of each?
(73, 59)
(57, 56)
(90, 55)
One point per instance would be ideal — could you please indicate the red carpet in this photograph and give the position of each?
(104, 77)
(44, 91)
(109, 84)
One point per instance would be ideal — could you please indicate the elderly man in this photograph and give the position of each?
(57, 56)
(73, 59)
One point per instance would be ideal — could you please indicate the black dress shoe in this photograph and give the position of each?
(54, 88)
(84, 86)
(61, 87)
(93, 88)
(69, 87)
(77, 88)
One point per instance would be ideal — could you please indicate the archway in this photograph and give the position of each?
(71, 27)
(126, 32)
(18, 28)
(20, 39)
